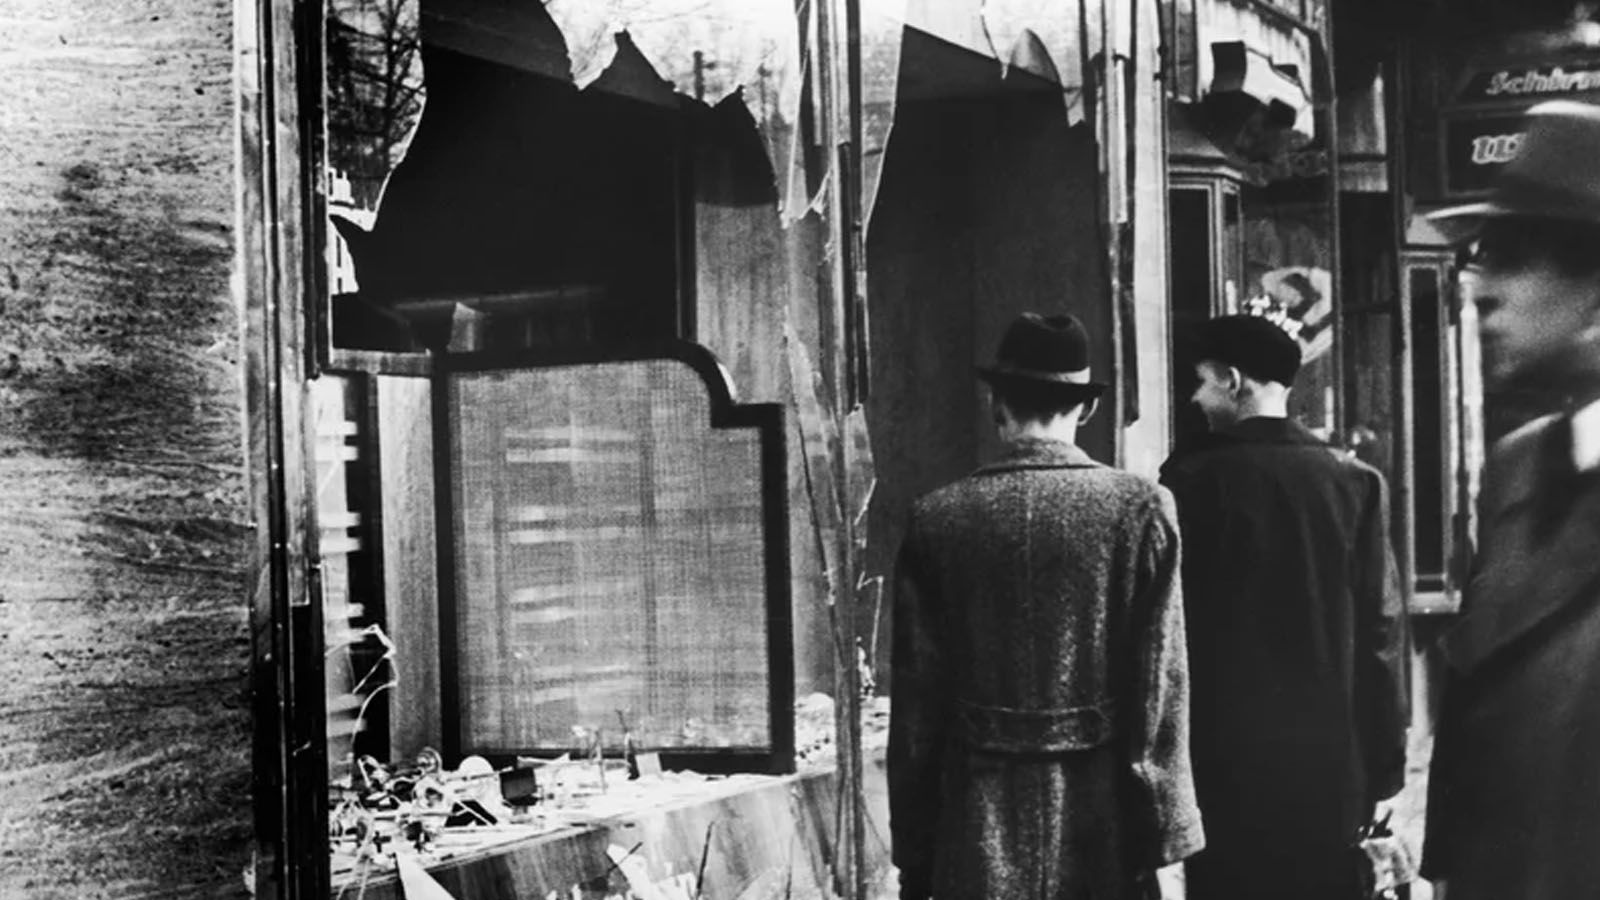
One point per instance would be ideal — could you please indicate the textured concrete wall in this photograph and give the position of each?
(124, 721)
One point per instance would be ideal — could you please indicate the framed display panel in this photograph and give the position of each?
(1447, 391)
(1207, 265)
(616, 560)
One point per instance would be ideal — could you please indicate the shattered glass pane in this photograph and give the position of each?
(1040, 36)
(546, 192)
(713, 51)
(706, 49)
(374, 100)
(882, 26)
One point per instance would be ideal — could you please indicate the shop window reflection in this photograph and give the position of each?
(1287, 277)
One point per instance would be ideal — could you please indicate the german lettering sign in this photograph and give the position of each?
(1476, 148)
(1531, 83)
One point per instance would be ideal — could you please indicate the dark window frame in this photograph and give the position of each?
(726, 413)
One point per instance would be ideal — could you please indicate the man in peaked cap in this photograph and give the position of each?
(1296, 635)
(1514, 790)
(1038, 741)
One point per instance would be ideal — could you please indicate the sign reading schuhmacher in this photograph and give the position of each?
(1531, 83)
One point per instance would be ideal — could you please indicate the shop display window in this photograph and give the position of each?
(1206, 260)
(566, 558)
(1447, 407)
(538, 570)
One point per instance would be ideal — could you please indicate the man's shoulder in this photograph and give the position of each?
(1512, 468)
(1217, 454)
(1361, 468)
(1138, 487)
(981, 486)
(1236, 461)
(1522, 441)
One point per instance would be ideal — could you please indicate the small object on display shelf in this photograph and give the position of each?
(628, 754)
(649, 765)
(815, 728)
(867, 682)
(378, 809)
(430, 806)
(1393, 867)
(519, 784)
(429, 762)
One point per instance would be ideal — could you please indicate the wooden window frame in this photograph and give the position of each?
(726, 413)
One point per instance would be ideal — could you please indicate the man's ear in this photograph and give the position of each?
(997, 409)
(1233, 378)
(1090, 406)
(1591, 329)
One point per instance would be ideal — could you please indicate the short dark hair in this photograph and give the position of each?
(1035, 400)
(1512, 242)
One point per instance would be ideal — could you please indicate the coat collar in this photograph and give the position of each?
(1521, 593)
(1523, 456)
(1270, 430)
(1039, 454)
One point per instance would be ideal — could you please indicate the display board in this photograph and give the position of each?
(612, 563)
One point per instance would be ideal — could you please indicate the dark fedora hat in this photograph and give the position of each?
(1040, 349)
(1554, 175)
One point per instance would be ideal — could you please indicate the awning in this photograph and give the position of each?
(1240, 69)
(1191, 151)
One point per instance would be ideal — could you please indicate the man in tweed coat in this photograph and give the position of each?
(1038, 742)
(1295, 632)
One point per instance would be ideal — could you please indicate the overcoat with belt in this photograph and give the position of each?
(1296, 652)
(1514, 786)
(1038, 732)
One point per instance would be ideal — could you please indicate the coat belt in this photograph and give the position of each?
(1003, 729)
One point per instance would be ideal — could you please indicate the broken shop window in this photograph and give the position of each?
(552, 611)
(525, 176)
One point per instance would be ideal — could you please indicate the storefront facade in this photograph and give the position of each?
(1467, 89)
(1458, 85)
(1254, 223)
(593, 353)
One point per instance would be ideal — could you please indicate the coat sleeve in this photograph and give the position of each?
(1444, 779)
(1381, 697)
(1443, 819)
(1200, 521)
(916, 720)
(1166, 817)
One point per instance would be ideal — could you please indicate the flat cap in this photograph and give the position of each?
(1252, 344)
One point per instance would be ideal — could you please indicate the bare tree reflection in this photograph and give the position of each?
(374, 90)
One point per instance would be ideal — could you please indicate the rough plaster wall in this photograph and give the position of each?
(124, 722)
(1147, 441)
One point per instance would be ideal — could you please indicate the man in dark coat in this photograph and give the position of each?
(1038, 742)
(1514, 787)
(1296, 632)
